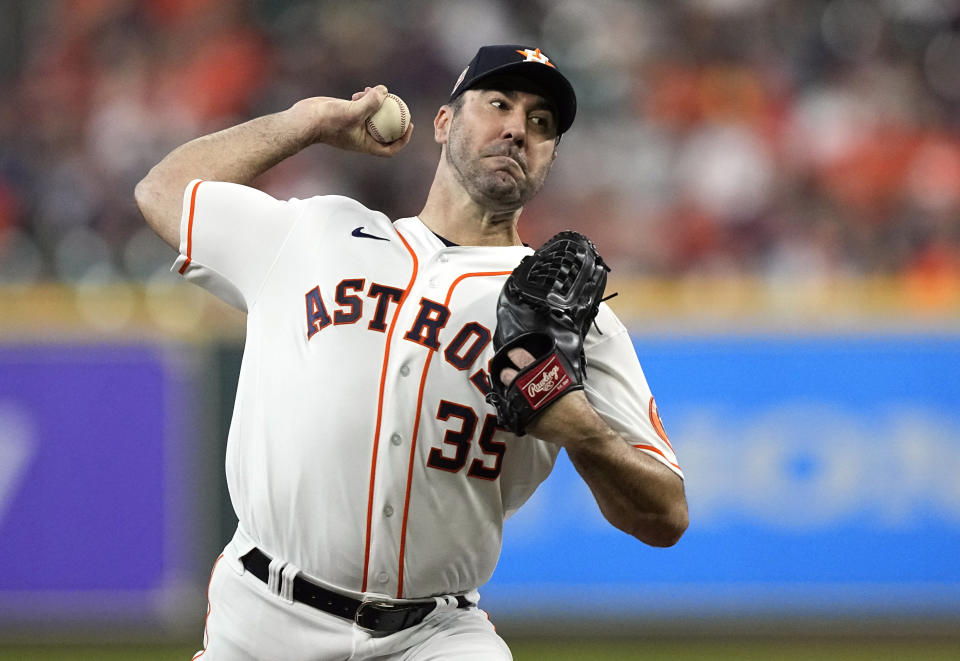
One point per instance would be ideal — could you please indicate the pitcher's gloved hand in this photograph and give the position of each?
(546, 307)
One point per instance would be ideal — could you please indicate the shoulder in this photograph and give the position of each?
(323, 216)
(336, 202)
(340, 207)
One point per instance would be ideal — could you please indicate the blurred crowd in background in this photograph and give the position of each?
(767, 138)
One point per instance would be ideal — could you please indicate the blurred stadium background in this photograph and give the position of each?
(775, 182)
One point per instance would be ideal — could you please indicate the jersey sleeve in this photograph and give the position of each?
(230, 237)
(617, 388)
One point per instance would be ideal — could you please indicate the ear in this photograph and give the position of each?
(441, 124)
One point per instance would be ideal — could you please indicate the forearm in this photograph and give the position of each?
(635, 492)
(238, 154)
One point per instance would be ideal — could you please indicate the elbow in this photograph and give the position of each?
(159, 209)
(665, 528)
(143, 194)
(672, 527)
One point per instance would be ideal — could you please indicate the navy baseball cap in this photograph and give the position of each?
(525, 62)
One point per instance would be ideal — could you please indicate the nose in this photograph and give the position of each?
(515, 127)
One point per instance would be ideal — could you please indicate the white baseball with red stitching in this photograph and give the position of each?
(390, 122)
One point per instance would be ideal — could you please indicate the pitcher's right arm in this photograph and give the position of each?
(243, 152)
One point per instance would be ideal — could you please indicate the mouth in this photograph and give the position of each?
(505, 162)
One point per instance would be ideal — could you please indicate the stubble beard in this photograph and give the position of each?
(494, 189)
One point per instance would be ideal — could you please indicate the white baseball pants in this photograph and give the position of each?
(246, 622)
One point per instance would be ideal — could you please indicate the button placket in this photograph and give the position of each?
(406, 360)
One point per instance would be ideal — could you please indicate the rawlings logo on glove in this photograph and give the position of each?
(538, 386)
(546, 307)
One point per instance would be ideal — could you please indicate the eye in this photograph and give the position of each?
(542, 122)
(499, 104)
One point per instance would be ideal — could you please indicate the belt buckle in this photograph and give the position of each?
(371, 614)
(367, 609)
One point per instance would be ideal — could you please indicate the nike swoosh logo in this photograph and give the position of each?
(359, 233)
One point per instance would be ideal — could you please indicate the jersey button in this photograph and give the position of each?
(443, 259)
(383, 577)
(404, 370)
(395, 438)
(434, 283)
(388, 510)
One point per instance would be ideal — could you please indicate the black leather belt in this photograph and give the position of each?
(380, 616)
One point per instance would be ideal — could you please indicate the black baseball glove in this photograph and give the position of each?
(546, 307)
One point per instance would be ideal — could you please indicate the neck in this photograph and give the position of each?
(455, 216)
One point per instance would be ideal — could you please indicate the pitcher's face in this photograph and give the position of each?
(501, 145)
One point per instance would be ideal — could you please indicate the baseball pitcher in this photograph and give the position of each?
(406, 385)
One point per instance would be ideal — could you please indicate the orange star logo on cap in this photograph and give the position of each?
(536, 56)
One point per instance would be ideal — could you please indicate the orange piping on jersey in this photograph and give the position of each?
(416, 429)
(193, 205)
(657, 423)
(376, 432)
(206, 638)
(653, 449)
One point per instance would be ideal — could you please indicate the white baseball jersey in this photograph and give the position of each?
(361, 448)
